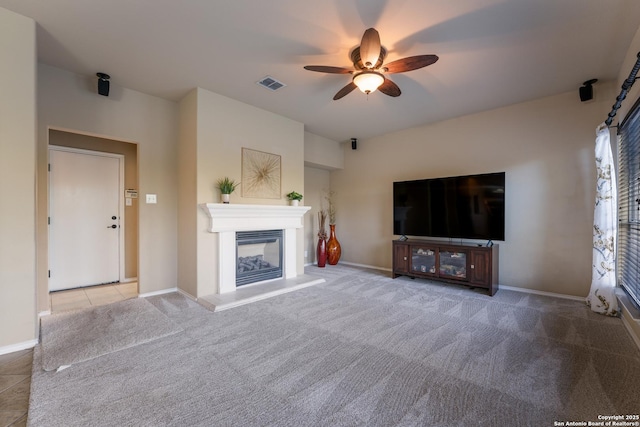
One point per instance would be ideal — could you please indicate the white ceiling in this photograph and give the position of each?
(492, 52)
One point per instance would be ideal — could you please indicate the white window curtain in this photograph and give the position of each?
(602, 298)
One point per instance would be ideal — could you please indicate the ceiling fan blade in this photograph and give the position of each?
(410, 63)
(370, 47)
(344, 91)
(389, 88)
(325, 69)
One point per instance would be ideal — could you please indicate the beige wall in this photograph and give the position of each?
(70, 102)
(17, 181)
(187, 191)
(546, 149)
(129, 151)
(323, 153)
(223, 127)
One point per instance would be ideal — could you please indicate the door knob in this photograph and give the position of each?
(112, 226)
(114, 218)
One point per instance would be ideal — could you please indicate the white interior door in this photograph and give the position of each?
(84, 218)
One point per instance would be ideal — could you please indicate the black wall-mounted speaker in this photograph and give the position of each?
(586, 91)
(103, 84)
(354, 143)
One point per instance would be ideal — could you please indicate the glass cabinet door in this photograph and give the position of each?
(423, 260)
(453, 264)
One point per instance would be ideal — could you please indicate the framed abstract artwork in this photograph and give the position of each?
(261, 174)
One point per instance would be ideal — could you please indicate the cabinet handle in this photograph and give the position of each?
(405, 258)
(473, 266)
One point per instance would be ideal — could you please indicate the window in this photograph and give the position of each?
(629, 203)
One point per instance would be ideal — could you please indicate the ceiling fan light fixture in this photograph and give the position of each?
(368, 81)
(370, 69)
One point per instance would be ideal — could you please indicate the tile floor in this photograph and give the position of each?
(15, 368)
(92, 295)
(15, 384)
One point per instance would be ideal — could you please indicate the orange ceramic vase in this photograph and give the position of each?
(333, 246)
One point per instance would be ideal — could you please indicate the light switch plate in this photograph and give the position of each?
(152, 198)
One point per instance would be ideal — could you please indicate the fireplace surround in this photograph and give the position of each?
(226, 220)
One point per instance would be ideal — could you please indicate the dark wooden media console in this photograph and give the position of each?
(471, 265)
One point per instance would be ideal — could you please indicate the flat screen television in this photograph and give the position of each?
(466, 207)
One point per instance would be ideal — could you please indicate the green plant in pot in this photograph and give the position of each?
(226, 186)
(294, 198)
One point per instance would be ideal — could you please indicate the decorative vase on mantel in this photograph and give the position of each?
(333, 246)
(225, 198)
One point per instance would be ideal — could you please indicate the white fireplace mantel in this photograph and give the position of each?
(227, 219)
(232, 217)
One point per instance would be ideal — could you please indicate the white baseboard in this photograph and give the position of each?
(129, 280)
(44, 313)
(373, 267)
(18, 347)
(543, 293)
(161, 292)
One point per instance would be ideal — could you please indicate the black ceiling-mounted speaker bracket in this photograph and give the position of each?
(586, 91)
(103, 84)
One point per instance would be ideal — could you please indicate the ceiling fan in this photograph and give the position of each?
(369, 73)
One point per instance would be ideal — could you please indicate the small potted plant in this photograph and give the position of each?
(294, 197)
(226, 186)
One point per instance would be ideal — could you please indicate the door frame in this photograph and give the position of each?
(121, 230)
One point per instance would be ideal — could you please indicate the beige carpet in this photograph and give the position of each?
(81, 335)
(359, 350)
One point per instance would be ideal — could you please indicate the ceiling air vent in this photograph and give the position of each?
(270, 83)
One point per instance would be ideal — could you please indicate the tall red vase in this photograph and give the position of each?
(321, 252)
(333, 246)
